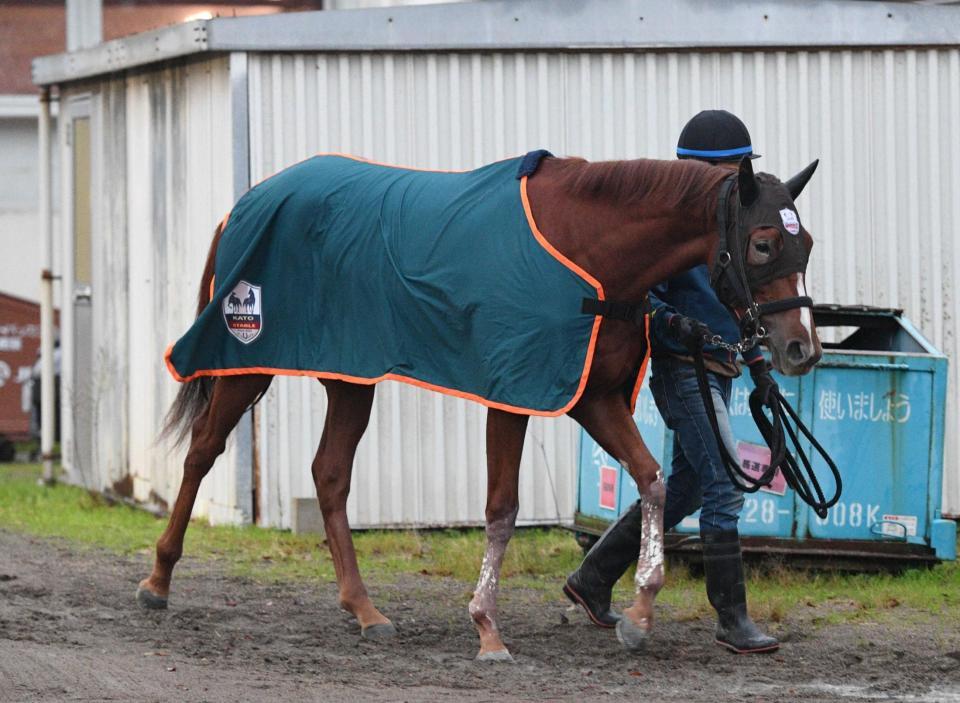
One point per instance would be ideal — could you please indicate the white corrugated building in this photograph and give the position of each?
(161, 132)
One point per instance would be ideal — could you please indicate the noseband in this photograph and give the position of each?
(731, 281)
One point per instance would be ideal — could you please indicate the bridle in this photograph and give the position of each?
(731, 282)
(730, 279)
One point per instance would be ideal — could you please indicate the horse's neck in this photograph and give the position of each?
(628, 248)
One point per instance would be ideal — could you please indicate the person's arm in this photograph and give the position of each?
(661, 312)
(753, 356)
(667, 321)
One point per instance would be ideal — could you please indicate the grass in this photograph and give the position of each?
(85, 519)
(537, 558)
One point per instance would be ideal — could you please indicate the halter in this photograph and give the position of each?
(730, 279)
(731, 282)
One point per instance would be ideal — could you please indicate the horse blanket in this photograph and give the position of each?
(341, 268)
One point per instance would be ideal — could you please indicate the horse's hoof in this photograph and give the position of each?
(500, 655)
(379, 633)
(148, 600)
(632, 638)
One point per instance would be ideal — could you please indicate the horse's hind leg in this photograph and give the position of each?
(348, 410)
(232, 395)
(505, 433)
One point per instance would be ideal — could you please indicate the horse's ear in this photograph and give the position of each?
(795, 185)
(749, 188)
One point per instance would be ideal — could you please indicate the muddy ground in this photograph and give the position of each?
(70, 630)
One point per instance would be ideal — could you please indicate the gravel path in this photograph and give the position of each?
(70, 630)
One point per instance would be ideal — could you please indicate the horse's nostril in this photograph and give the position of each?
(797, 352)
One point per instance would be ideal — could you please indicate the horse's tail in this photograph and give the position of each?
(193, 396)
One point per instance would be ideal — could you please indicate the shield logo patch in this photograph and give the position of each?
(241, 311)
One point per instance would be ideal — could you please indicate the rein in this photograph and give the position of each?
(729, 278)
(769, 397)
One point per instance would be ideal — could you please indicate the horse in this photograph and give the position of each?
(630, 224)
(250, 300)
(234, 302)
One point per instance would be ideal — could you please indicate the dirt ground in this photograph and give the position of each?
(70, 630)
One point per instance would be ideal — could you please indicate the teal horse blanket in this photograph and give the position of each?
(341, 268)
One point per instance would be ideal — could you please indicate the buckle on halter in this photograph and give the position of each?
(750, 326)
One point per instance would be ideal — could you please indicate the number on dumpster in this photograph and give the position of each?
(760, 510)
(854, 514)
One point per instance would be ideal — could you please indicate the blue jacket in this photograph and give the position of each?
(690, 294)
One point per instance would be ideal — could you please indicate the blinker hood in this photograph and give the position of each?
(746, 203)
(774, 208)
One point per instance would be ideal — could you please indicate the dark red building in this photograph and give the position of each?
(19, 343)
(30, 28)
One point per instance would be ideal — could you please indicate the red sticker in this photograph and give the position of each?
(608, 487)
(755, 460)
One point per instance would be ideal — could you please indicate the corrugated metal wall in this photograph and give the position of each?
(422, 460)
(162, 166)
(883, 210)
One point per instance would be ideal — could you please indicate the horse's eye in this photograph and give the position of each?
(763, 249)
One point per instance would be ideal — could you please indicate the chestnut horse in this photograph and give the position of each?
(630, 224)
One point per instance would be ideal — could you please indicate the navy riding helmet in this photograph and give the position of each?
(715, 135)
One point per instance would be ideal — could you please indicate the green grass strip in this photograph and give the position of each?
(537, 558)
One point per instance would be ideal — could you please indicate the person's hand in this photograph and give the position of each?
(760, 373)
(691, 333)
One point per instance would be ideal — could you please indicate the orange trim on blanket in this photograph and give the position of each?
(556, 254)
(550, 248)
(362, 381)
(538, 235)
(643, 366)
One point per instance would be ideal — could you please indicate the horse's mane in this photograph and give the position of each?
(672, 184)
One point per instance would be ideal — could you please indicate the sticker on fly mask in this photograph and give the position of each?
(790, 221)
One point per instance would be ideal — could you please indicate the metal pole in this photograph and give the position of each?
(84, 24)
(47, 380)
(245, 433)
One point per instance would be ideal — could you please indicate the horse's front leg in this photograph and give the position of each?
(632, 630)
(505, 433)
(609, 422)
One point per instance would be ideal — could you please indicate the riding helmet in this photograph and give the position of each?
(715, 135)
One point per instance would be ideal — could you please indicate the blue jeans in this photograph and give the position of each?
(698, 479)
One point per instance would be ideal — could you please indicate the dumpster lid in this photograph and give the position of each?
(873, 329)
(830, 311)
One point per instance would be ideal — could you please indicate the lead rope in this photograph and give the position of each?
(773, 434)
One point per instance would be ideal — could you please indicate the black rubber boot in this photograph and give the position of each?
(723, 568)
(592, 583)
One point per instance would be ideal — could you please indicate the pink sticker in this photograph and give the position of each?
(608, 487)
(755, 460)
